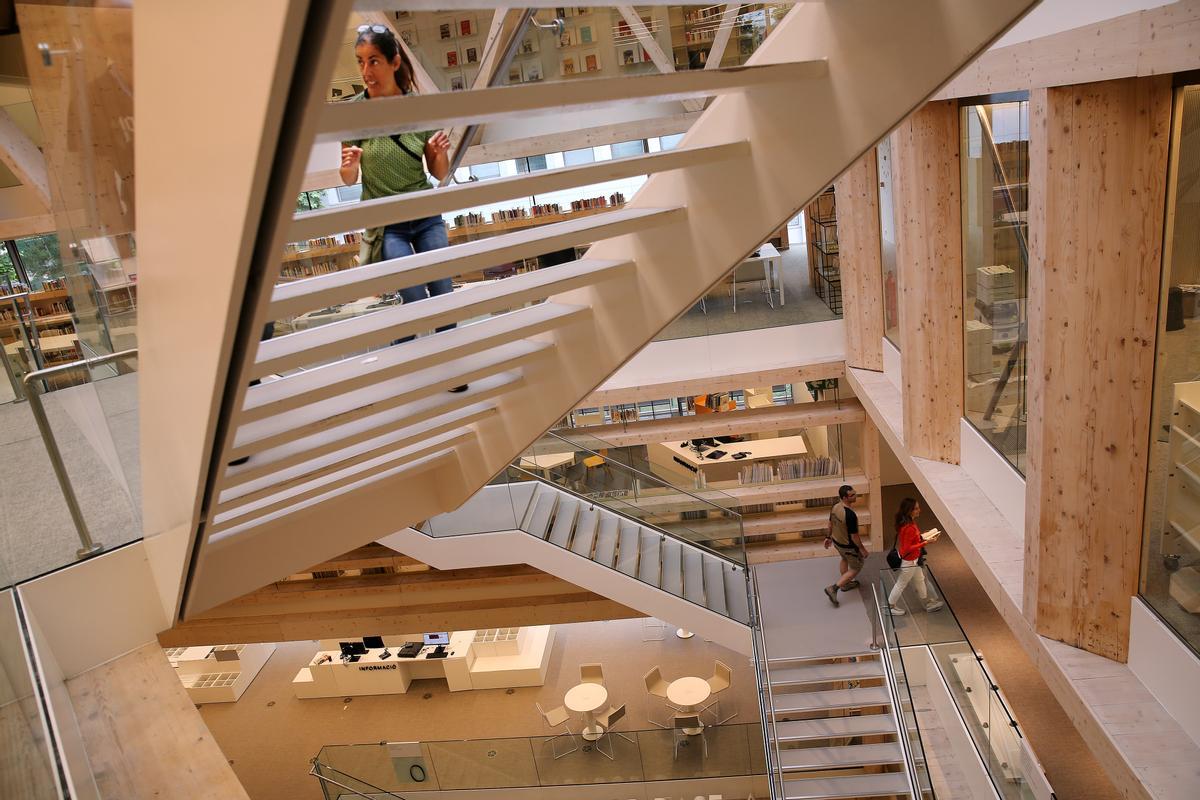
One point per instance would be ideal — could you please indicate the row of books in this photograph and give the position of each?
(306, 269)
(789, 470)
(471, 218)
(51, 310)
(590, 203)
(542, 209)
(353, 237)
(506, 214)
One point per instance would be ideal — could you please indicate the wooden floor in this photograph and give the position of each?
(25, 772)
(143, 735)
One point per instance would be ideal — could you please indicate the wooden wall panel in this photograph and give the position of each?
(929, 262)
(1098, 167)
(857, 192)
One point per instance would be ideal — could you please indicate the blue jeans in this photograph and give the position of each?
(418, 236)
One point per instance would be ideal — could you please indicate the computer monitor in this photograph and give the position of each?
(373, 642)
(437, 638)
(358, 649)
(347, 648)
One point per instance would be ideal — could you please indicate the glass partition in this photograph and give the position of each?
(1170, 581)
(887, 242)
(634, 758)
(1009, 762)
(29, 766)
(995, 207)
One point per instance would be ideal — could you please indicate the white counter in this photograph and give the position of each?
(466, 666)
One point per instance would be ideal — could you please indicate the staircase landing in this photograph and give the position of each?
(799, 621)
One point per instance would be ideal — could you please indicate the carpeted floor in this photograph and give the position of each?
(36, 531)
(753, 312)
(1073, 771)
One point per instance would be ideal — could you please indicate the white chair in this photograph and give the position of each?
(684, 723)
(607, 720)
(722, 679)
(656, 686)
(591, 673)
(557, 718)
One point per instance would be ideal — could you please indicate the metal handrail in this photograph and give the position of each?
(631, 518)
(776, 777)
(910, 764)
(89, 547)
(313, 771)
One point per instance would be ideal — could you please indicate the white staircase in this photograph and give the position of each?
(350, 447)
(834, 729)
(590, 545)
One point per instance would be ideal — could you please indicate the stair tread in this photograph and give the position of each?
(824, 673)
(540, 514)
(834, 727)
(650, 557)
(319, 291)
(672, 567)
(629, 544)
(846, 786)
(585, 532)
(564, 521)
(606, 540)
(393, 322)
(344, 121)
(837, 698)
(300, 388)
(377, 397)
(693, 575)
(859, 755)
(714, 585)
(426, 203)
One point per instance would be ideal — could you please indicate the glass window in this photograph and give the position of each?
(887, 243)
(624, 149)
(582, 156)
(484, 171)
(995, 203)
(671, 142)
(531, 163)
(1170, 580)
(349, 194)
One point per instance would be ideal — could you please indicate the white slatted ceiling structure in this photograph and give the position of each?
(348, 447)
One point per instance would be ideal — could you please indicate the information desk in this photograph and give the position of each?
(220, 673)
(474, 660)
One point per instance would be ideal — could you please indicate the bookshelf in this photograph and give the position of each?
(1181, 533)
(824, 265)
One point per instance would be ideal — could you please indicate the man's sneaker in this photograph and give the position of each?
(831, 593)
(850, 585)
(896, 612)
(934, 605)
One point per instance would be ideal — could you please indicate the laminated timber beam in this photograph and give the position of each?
(726, 423)
(415, 598)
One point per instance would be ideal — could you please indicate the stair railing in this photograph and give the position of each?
(766, 696)
(890, 656)
(645, 498)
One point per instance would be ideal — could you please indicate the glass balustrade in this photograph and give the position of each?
(634, 758)
(1009, 761)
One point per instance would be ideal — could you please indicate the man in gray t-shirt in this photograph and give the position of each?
(843, 535)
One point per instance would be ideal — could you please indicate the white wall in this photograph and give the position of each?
(992, 473)
(1166, 666)
(1056, 16)
(891, 471)
(891, 365)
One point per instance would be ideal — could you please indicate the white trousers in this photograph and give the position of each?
(909, 573)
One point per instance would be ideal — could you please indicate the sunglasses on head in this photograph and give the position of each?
(371, 28)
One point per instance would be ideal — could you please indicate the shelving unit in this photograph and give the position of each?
(825, 273)
(1182, 531)
(693, 33)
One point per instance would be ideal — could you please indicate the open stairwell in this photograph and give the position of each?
(595, 547)
(835, 729)
(351, 438)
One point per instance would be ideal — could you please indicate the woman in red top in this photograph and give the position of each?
(911, 547)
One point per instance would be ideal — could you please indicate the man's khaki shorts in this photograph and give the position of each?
(854, 559)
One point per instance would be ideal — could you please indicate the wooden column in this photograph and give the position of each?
(857, 192)
(870, 465)
(929, 261)
(1098, 167)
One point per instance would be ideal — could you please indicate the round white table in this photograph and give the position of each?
(688, 693)
(586, 699)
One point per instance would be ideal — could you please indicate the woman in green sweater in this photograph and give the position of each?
(391, 165)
